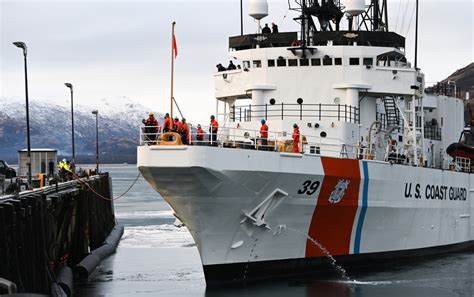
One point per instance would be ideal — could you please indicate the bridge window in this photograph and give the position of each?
(281, 62)
(337, 61)
(304, 62)
(327, 61)
(257, 64)
(368, 61)
(353, 61)
(316, 62)
(271, 63)
(292, 62)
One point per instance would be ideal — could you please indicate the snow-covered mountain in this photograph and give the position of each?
(50, 127)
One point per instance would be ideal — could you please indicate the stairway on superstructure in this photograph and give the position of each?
(392, 114)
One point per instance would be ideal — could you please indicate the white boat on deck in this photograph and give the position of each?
(371, 180)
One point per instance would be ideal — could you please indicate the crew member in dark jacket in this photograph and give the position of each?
(266, 29)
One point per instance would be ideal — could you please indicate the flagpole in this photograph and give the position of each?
(172, 70)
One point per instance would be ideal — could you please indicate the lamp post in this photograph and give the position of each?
(72, 120)
(23, 46)
(96, 112)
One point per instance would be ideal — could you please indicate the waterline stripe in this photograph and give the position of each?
(363, 210)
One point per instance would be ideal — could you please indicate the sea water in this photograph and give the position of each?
(155, 258)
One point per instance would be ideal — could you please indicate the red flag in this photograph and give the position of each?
(175, 47)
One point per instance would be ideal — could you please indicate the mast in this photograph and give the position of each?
(172, 68)
(416, 37)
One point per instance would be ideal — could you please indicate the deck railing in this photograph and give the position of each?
(335, 112)
(238, 138)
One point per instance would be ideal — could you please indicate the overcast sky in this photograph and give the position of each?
(122, 48)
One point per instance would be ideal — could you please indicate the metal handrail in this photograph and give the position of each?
(339, 112)
(235, 137)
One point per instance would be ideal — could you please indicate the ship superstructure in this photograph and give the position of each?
(371, 178)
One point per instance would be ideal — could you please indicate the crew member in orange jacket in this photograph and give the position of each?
(296, 139)
(213, 130)
(184, 131)
(199, 135)
(264, 135)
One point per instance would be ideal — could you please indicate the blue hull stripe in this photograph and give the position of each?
(363, 209)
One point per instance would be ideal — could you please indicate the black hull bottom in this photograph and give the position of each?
(242, 273)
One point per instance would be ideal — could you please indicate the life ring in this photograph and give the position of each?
(170, 138)
(296, 43)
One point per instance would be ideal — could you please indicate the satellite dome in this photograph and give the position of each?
(354, 7)
(258, 9)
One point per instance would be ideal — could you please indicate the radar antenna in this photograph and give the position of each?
(329, 14)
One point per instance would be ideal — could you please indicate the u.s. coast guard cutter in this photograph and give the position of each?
(372, 180)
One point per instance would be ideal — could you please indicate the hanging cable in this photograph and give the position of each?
(404, 16)
(411, 19)
(284, 17)
(398, 14)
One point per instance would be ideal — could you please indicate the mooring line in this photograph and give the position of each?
(101, 196)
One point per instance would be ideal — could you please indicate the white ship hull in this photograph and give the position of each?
(252, 213)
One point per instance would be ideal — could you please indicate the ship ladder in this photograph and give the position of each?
(392, 114)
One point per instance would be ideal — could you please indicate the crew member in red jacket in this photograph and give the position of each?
(199, 135)
(213, 130)
(296, 139)
(184, 131)
(167, 123)
(177, 125)
(264, 135)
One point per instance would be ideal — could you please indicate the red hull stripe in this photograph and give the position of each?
(332, 223)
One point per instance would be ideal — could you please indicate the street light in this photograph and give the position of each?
(96, 112)
(23, 46)
(72, 121)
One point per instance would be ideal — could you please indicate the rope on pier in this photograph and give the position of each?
(101, 196)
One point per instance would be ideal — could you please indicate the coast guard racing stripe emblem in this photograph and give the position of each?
(336, 208)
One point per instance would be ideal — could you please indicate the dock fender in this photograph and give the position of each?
(87, 266)
(65, 280)
(115, 235)
(104, 251)
(56, 291)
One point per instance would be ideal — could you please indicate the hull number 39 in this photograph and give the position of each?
(309, 187)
